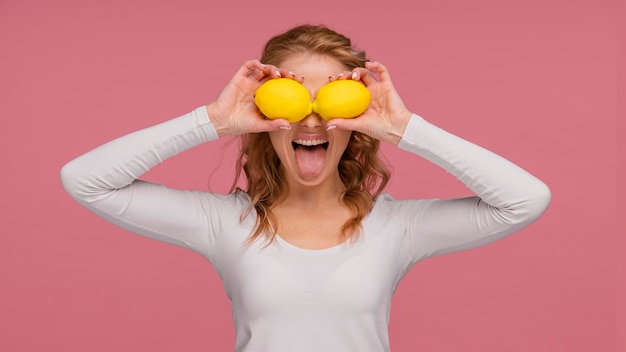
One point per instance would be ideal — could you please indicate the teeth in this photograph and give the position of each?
(310, 142)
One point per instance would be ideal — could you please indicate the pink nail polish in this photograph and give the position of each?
(331, 127)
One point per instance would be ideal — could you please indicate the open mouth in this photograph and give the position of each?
(309, 144)
(310, 155)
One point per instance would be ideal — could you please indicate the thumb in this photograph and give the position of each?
(345, 124)
(273, 125)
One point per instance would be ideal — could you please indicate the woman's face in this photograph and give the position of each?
(308, 152)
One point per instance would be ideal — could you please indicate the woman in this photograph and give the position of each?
(311, 253)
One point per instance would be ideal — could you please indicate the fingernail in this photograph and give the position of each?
(354, 75)
(277, 73)
(329, 77)
(340, 75)
(331, 127)
(291, 73)
(285, 127)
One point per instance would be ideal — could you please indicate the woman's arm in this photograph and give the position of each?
(105, 181)
(508, 198)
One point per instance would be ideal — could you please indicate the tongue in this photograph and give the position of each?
(310, 160)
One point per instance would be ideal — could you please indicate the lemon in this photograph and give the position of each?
(283, 98)
(341, 99)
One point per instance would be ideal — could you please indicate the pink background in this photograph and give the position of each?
(535, 81)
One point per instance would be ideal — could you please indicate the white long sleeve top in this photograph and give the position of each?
(286, 298)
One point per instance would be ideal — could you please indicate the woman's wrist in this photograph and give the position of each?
(215, 121)
(394, 135)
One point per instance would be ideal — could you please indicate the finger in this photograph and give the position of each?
(248, 68)
(368, 77)
(257, 70)
(273, 71)
(258, 75)
(286, 73)
(344, 75)
(358, 73)
(340, 76)
(252, 64)
(379, 68)
(270, 70)
(272, 125)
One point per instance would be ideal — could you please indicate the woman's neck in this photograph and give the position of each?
(326, 194)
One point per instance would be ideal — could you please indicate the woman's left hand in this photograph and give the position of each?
(386, 117)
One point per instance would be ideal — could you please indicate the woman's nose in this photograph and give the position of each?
(312, 120)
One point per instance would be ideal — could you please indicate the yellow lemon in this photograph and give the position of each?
(341, 99)
(283, 98)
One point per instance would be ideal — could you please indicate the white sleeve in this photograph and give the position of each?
(105, 181)
(508, 198)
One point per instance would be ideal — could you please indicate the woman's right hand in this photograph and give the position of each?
(234, 113)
